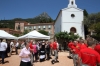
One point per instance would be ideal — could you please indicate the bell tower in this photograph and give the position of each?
(72, 4)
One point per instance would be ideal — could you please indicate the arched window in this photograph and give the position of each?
(73, 29)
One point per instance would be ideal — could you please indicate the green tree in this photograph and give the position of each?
(90, 21)
(95, 28)
(98, 17)
(85, 13)
(17, 35)
(65, 36)
(43, 32)
(25, 32)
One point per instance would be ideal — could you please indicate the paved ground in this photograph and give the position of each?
(14, 60)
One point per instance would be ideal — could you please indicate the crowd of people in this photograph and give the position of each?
(33, 51)
(6, 48)
(85, 53)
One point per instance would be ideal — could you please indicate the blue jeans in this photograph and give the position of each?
(2, 54)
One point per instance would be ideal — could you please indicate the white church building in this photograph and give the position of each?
(70, 19)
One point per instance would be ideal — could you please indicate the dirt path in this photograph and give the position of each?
(14, 60)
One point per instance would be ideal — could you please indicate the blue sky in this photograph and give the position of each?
(10, 9)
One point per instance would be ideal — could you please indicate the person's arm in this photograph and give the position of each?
(31, 50)
(57, 46)
(6, 45)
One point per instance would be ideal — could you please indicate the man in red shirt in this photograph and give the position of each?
(70, 46)
(55, 48)
(97, 48)
(31, 49)
(31, 42)
(78, 44)
(75, 52)
(83, 45)
(89, 56)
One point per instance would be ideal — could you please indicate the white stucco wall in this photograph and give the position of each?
(78, 26)
(66, 15)
(58, 23)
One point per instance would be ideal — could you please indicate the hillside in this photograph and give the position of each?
(42, 18)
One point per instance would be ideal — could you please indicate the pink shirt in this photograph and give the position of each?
(25, 52)
(35, 48)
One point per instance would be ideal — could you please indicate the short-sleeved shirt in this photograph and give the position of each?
(78, 46)
(51, 45)
(34, 48)
(3, 46)
(17, 44)
(89, 56)
(70, 45)
(75, 50)
(12, 44)
(54, 46)
(97, 48)
(25, 52)
(31, 47)
(83, 46)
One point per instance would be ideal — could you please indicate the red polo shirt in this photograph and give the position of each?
(71, 45)
(31, 47)
(83, 46)
(89, 56)
(54, 46)
(78, 46)
(75, 50)
(51, 45)
(97, 48)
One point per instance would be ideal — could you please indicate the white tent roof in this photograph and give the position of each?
(6, 35)
(34, 34)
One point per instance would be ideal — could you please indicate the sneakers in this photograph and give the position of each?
(52, 61)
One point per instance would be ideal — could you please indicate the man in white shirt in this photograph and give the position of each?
(16, 47)
(11, 47)
(12, 43)
(3, 47)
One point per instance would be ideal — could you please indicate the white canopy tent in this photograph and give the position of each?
(34, 34)
(5, 35)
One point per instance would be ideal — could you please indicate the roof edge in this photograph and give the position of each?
(72, 7)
